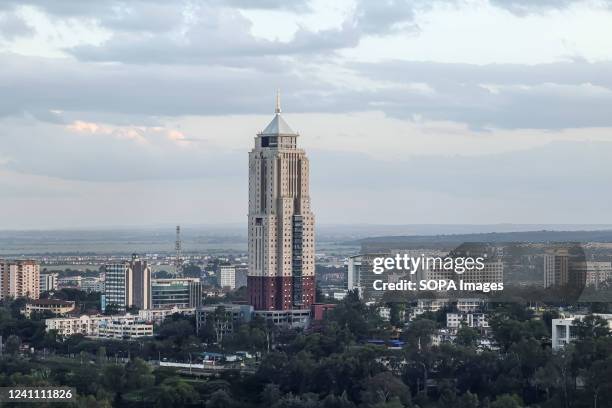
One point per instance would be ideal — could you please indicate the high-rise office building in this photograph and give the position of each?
(141, 276)
(128, 284)
(118, 285)
(19, 278)
(280, 221)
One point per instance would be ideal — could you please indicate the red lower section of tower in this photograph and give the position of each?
(276, 293)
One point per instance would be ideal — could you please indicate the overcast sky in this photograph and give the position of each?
(142, 112)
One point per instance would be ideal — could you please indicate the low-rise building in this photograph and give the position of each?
(597, 274)
(474, 320)
(176, 292)
(92, 284)
(223, 316)
(69, 281)
(385, 313)
(296, 318)
(319, 311)
(55, 306)
(119, 327)
(564, 330)
(124, 327)
(68, 326)
(430, 305)
(159, 315)
(463, 305)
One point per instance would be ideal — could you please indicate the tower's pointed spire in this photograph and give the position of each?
(278, 107)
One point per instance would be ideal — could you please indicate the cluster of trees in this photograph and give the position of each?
(71, 272)
(333, 366)
(106, 384)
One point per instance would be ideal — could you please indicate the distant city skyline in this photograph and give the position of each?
(142, 113)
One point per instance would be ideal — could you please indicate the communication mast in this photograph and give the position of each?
(178, 261)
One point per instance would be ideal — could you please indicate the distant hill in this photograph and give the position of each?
(491, 237)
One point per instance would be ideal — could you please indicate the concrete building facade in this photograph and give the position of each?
(227, 276)
(128, 284)
(564, 329)
(118, 285)
(19, 278)
(176, 292)
(47, 282)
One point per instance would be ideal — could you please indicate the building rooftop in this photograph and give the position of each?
(50, 302)
(278, 126)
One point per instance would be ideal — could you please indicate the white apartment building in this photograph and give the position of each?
(159, 315)
(384, 313)
(124, 327)
(47, 282)
(70, 281)
(227, 276)
(463, 305)
(92, 284)
(121, 327)
(470, 305)
(428, 305)
(474, 320)
(564, 330)
(69, 326)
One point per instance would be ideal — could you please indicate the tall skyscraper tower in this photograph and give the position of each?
(281, 224)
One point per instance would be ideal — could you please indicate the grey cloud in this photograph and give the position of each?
(296, 5)
(573, 72)
(92, 8)
(136, 90)
(47, 116)
(548, 96)
(386, 16)
(145, 15)
(540, 107)
(212, 34)
(525, 7)
(13, 26)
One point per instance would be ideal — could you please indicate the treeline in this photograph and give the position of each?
(335, 366)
